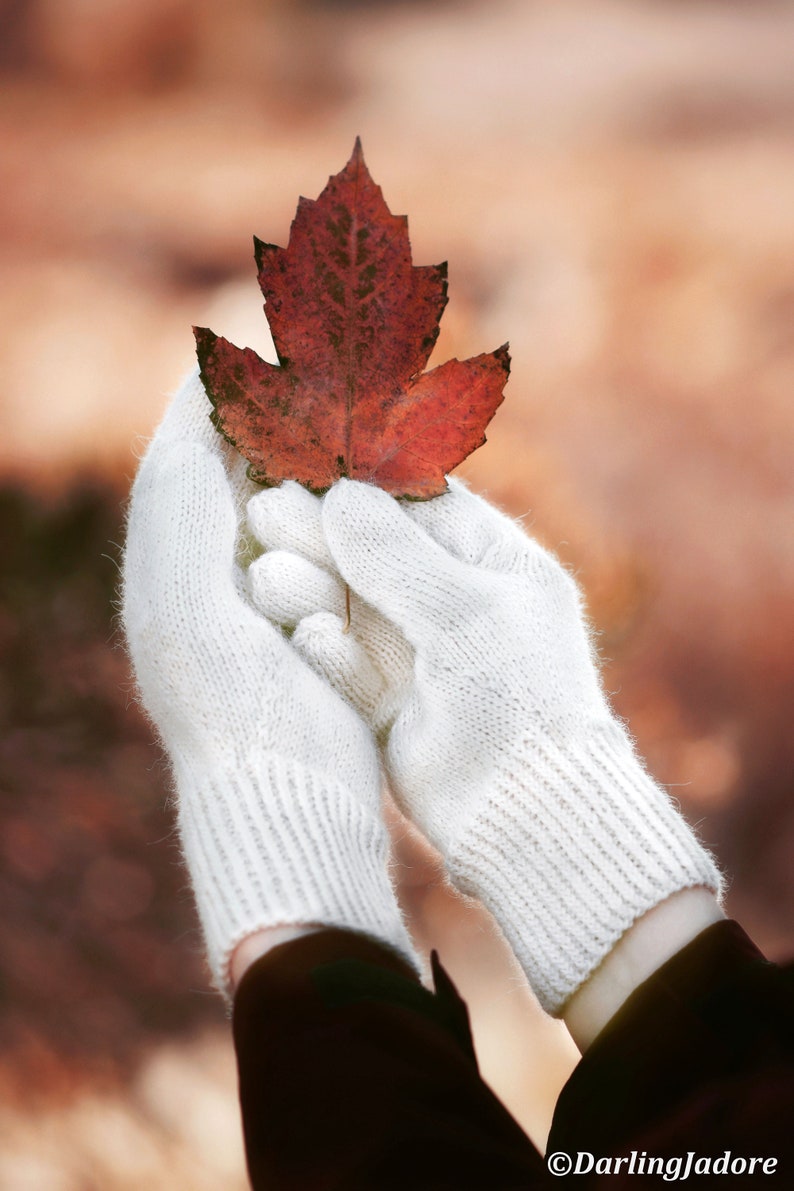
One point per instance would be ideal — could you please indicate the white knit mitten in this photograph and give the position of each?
(504, 751)
(277, 778)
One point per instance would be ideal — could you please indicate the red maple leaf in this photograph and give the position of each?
(353, 322)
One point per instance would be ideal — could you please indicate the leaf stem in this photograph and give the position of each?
(346, 626)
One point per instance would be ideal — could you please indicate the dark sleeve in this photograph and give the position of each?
(699, 1059)
(352, 1075)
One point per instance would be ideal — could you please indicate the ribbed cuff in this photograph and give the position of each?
(574, 844)
(276, 844)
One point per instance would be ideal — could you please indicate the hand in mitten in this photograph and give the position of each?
(277, 778)
(504, 750)
(295, 583)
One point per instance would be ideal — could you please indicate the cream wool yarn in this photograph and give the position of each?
(277, 778)
(503, 748)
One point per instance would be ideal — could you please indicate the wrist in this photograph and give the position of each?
(255, 945)
(653, 939)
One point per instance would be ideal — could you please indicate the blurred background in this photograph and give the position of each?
(612, 182)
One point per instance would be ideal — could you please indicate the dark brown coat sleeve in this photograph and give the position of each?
(354, 1076)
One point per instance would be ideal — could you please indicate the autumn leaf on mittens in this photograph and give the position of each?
(353, 322)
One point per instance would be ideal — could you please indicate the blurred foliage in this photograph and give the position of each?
(96, 943)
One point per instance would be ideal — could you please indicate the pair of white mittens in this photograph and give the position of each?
(468, 659)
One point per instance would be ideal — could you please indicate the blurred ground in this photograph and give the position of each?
(613, 185)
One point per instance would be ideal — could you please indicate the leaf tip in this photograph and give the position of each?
(205, 338)
(356, 165)
(502, 354)
(259, 252)
(265, 255)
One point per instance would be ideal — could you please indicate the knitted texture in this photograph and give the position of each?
(572, 846)
(296, 584)
(277, 778)
(503, 749)
(274, 843)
